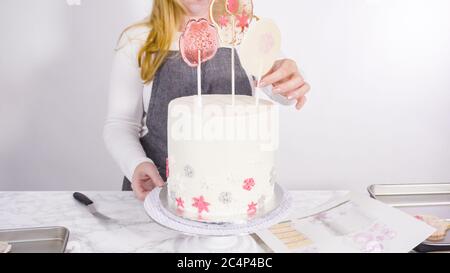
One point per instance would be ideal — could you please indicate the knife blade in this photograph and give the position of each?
(83, 199)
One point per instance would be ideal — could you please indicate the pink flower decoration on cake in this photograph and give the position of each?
(201, 204)
(252, 208)
(199, 35)
(180, 203)
(249, 184)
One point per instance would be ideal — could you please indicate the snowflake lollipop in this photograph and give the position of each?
(260, 48)
(232, 19)
(198, 44)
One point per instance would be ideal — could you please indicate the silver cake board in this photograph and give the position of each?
(215, 237)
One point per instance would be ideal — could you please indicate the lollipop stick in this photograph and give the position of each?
(233, 77)
(233, 72)
(258, 83)
(199, 78)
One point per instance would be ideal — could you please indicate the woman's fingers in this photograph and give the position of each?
(299, 95)
(272, 78)
(290, 85)
(287, 80)
(301, 102)
(143, 187)
(299, 92)
(280, 71)
(147, 185)
(157, 179)
(145, 179)
(151, 173)
(139, 190)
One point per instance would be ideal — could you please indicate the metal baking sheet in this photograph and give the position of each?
(418, 199)
(36, 240)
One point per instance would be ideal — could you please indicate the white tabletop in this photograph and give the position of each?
(133, 232)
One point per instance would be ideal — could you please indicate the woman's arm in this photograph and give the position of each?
(125, 109)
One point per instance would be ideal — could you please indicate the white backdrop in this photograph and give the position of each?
(378, 112)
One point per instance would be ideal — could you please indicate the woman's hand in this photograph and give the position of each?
(145, 178)
(287, 81)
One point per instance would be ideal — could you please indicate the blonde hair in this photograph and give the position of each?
(164, 21)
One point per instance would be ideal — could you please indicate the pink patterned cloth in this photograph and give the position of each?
(373, 240)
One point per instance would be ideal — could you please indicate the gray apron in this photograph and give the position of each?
(176, 79)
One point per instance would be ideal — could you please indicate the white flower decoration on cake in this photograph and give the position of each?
(225, 198)
(188, 171)
(230, 179)
(204, 184)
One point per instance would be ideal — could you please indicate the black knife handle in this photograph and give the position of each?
(83, 199)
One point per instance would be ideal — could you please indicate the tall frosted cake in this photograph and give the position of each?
(221, 157)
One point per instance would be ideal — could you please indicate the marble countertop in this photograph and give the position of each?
(133, 231)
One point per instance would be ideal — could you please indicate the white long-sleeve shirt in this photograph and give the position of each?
(127, 97)
(128, 102)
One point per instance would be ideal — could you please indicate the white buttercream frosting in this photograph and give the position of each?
(221, 157)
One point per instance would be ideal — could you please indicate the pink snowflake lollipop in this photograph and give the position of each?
(232, 18)
(198, 42)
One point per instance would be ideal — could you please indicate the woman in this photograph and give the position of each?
(148, 73)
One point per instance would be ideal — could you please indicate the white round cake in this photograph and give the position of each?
(221, 158)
